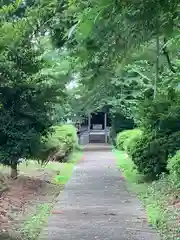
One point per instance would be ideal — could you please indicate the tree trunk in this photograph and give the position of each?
(14, 171)
(157, 65)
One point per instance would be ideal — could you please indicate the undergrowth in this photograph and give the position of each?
(159, 198)
(34, 222)
(67, 169)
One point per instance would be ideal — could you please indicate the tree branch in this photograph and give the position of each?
(165, 52)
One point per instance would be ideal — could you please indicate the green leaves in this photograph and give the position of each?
(9, 9)
(33, 81)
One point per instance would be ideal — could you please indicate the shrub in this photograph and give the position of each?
(174, 168)
(120, 139)
(130, 143)
(160, 120)
(123, 138)
(60, 143)
(151, 152)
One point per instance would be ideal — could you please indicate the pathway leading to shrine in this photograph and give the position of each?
(96, 204)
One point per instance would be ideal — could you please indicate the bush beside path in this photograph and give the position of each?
(160, 197)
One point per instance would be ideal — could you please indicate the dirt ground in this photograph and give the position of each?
(33, 187)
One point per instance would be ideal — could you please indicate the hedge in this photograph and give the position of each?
(126, 139)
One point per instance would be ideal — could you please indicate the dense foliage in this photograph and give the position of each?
(127, 56)
(124, 138)
(149, 152)
(28, 93)
(116, 53)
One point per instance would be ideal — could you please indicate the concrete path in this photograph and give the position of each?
(97, 205)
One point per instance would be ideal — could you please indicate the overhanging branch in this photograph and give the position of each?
(165, 52)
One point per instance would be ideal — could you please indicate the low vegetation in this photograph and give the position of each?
(30, 197)
(161, 197)
(61, 141)
(126, 139)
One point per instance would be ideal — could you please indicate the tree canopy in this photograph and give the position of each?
(32, 84)
(118, 53)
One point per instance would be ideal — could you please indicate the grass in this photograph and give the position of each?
(34, 224)
(155, 197)
(127, 167)
(67, 169)
(32, 167)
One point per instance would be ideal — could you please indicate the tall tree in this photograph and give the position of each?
(27, 92)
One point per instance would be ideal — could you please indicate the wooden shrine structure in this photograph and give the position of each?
(95, 128)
